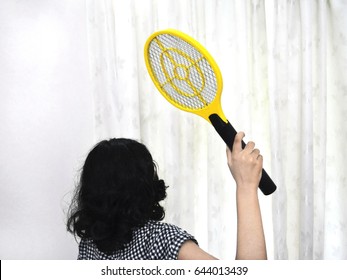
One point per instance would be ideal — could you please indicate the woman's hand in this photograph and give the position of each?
(245, 164)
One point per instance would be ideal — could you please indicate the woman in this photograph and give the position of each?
(117, 215)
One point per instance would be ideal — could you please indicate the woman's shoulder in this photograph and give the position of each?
(162, 239)
(170, 230)
(160, 225)
(162, 232)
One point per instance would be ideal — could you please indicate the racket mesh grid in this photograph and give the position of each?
(183, 73)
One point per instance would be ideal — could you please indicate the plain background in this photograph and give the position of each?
(46, 123)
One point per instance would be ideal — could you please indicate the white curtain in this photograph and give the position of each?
(283, 64)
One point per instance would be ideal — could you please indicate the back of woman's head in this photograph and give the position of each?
(119, 190)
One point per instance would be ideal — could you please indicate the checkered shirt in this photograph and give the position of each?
(154, 241)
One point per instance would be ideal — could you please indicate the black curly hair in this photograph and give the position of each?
(118, 191)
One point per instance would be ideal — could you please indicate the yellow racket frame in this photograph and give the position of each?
(215, 106)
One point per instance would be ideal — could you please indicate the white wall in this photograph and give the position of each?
(46, 123)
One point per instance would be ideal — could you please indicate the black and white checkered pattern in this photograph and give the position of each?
(154, 241)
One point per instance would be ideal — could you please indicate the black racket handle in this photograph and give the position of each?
(228, 133)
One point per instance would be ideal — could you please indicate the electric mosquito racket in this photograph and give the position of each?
(188, 77)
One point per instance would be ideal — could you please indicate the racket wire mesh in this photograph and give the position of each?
(182, 72)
